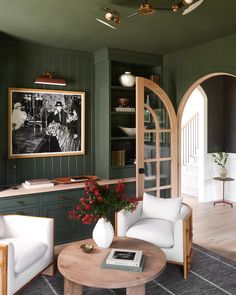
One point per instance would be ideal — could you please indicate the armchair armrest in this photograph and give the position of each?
(183, 237)
(38, 228)
(125, 219)
(185, 211)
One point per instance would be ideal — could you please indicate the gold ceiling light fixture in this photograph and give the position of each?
(48, 78)
(113, 18)
(110, 16)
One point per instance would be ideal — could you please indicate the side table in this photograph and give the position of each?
(223, 190)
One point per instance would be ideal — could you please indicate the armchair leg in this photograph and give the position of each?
(3, 268)
(50, 270)
(186, 266)
(188, 240)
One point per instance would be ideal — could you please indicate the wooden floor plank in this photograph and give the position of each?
(214, 227)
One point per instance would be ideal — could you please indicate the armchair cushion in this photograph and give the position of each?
(156, 231)
(2, 232)
(26, 252)
(167, 209)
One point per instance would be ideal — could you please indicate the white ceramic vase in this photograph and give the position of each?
(223, 172)
(103, 233)
(127, 79)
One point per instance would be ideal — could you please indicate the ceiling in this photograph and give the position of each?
(71, 24)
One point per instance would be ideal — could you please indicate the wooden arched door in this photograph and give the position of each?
(156, 141)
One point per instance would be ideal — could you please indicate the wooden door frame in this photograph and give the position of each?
(141, 83)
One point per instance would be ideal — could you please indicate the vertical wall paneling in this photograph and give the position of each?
(20, 65)
(184, 67)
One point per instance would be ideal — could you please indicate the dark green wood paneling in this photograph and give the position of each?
(7, 77)
(102, 107)
(20, 65)
(183, 68)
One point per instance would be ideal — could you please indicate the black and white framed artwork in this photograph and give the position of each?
(45, 123)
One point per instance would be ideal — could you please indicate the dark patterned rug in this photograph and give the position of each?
(210, 274)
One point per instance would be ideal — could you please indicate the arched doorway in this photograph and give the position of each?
(194, 144)
(209, 189)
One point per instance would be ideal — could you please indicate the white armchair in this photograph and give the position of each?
(26, 249)
(166, 223)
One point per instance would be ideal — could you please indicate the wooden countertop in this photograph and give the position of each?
(10, 192)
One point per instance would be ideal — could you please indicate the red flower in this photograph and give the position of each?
(99, 201)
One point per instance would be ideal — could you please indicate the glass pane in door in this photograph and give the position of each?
(150, 174)
(165, 144)
(165, 173)
(149, 145)
(165, 193)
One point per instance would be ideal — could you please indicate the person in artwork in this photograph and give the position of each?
(59, 115)
(60, 136)
(18, 116)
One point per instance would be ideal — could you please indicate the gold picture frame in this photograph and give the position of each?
(45, 123)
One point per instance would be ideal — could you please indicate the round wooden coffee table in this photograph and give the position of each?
(84, 269)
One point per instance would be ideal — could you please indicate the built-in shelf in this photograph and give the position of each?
(122, 113)
(115, 87)
(122, 137)
(124, 166)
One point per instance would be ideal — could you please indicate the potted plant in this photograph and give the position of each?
(220, 158)
(96, 206)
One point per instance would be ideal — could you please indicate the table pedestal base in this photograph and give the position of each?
(71, 288)
(138, 290)
(223, 202)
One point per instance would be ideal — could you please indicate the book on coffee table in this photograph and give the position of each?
(125, 257)
(125, 267)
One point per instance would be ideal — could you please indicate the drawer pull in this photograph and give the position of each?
(62, 206)
(62, 198)
(20, 212)
(20, 203)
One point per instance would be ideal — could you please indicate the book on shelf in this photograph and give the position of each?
(118, 158)
(125, 267)
(124, 109)
(37, 181)
(79, 179)
(37, 185)
(124, 257)
(155, 78)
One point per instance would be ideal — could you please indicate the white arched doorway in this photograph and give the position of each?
(208, 190)
(194, 144)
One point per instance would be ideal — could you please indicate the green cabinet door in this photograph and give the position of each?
(65, 229)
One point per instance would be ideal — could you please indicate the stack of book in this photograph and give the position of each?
(124, 259)
(124, 109)
(155, 78)
(118, 158)
(37, 183)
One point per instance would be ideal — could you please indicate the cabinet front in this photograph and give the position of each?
(65, 229)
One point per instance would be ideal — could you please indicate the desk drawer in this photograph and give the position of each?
(33, 211)
(62, 196)
(19, 202)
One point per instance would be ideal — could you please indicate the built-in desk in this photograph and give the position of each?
(54, 202)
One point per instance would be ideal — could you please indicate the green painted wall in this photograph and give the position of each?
(183, 68)
(21, 62)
